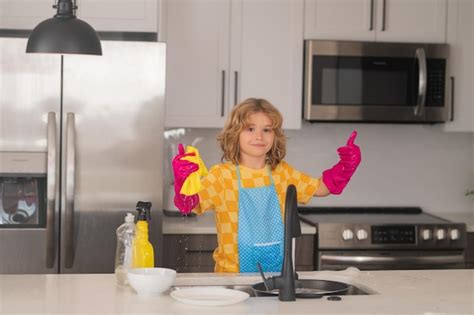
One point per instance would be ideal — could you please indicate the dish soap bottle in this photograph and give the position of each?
(123, 255)
(142, 253)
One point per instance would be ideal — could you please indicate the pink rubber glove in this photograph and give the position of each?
(337, 177)
(182, 169)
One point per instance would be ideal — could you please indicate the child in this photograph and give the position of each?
(248, 192)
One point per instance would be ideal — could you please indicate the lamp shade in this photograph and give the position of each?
(64, 34)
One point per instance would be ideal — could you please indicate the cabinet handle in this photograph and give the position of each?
(383, 14)
(371, 27)
(452, 99)
(236, 84)
(223, 93)
(196, 250)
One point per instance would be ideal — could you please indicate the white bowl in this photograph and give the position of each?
(151, 281)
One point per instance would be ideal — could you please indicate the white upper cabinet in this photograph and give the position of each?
(24, 14)
(461, 65)
(422, 21)
(411, 21)
(270, 62)
(339, 20)
(103, 15)
(120, 15)
(197, 34)
(220, 52)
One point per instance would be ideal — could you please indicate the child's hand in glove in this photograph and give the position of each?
(182, 169)
(337, 177)
(188, 169)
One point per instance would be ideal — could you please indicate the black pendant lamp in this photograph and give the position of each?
(64, 34)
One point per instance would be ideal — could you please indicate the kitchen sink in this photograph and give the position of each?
(352, 290)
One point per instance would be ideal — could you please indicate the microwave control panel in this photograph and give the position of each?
(436, 82)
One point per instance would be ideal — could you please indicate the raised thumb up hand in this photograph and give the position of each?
(337, 177)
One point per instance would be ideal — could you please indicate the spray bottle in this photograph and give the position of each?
(142, 253)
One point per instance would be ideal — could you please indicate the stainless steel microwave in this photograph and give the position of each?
(376, 82)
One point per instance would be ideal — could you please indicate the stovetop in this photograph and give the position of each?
(368, 215)
(383, 228)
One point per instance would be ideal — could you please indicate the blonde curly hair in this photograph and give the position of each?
(238, 120)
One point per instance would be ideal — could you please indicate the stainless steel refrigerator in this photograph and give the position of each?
(81, 141)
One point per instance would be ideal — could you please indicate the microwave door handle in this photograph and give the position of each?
(70, 174)
(422, 81)
(51, 191)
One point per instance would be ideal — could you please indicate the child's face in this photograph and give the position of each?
(256, 140)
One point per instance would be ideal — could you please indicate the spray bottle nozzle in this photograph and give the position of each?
(144, 208)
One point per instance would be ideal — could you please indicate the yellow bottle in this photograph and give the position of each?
(142, 250)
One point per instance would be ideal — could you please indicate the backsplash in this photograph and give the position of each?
(402, 165)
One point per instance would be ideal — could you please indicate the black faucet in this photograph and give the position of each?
(286, 281)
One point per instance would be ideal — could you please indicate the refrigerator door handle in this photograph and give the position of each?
(69, 200)
(51, 191)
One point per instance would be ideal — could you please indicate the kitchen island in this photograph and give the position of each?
(393, 292)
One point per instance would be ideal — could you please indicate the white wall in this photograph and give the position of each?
(402, 165)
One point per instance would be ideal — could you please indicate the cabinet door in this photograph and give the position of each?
(24, 14)
(271, 55)
(461, 65)
(120, 15)
(339, 20)
(189, 252)
(103, 15)
(421, 21)
(197, 74)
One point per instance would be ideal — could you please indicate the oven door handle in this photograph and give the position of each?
(360, 259)
(422, 81)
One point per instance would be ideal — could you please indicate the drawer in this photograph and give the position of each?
(193, 252)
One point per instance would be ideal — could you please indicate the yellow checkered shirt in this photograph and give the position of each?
(220, 192)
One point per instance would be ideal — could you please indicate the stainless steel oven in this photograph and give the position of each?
(376, 82)
(385, 238)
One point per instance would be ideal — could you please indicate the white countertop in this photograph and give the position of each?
(398, 292)
(205, 224)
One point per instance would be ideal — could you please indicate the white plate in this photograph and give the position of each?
(209, 296)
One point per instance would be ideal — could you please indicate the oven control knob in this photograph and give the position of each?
(426, 234)
(440, 234)
(347, 235)
(362, 234)
(454, 234)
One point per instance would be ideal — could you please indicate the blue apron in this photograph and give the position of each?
(260, 237)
